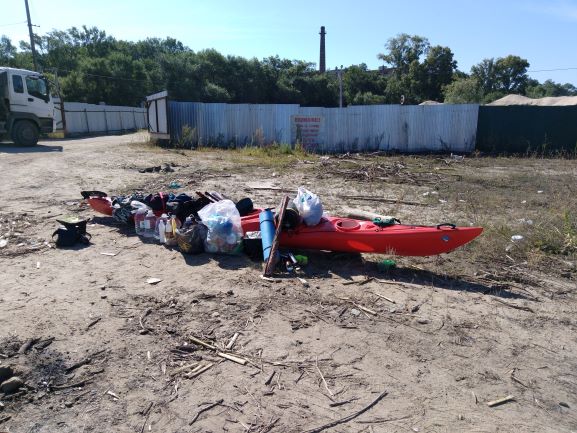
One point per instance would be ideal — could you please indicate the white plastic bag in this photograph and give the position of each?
(224, 228)
(309, 206)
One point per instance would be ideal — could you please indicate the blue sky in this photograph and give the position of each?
(542, 31)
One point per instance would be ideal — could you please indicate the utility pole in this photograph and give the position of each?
(340, 78)
(33, 48)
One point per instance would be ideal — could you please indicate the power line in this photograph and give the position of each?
(553, 70)
(13, 24)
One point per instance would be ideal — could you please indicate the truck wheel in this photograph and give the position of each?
(25, 133)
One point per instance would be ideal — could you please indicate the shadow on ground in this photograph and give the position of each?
(39, 148)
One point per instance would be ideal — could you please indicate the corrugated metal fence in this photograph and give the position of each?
(84, 118)
(427, 128)
(527, 129)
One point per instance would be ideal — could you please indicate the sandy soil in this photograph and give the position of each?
(107, 347)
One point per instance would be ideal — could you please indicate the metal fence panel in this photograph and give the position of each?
(527, 129)
(426, 128)
(84, 118)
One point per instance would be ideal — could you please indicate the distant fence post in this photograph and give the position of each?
(106, 120)
(87, 124)
(120, 117)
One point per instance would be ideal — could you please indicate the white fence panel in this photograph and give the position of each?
(424, 128)
(84, 118)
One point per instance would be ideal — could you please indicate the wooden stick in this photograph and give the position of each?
(199, 371)
(72, 385)
(204, 409)
(183, 368)
(384, 297)
(323, 379)
(340, 403)
(516, 307)
(272, 259)
(202, 343)
(365, 309)
(232, 358)
(94, 322)
(361, 214)
(347, 418)
(269, 380)
(378, 199)
(147, 414)
(500, 401)
(232, 341)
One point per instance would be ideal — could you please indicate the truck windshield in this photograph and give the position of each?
(37, 87)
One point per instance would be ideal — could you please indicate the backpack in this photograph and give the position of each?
(72, 231)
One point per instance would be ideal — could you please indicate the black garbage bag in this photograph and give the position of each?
(191, 240)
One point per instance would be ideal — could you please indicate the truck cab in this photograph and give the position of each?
(26, 107)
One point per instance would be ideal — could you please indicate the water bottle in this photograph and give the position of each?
(140, 210)
(149, 224)
(170, 228)
(160, 229)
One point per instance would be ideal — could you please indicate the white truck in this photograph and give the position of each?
(26, 108)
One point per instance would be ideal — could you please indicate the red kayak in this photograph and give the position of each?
(356, 236)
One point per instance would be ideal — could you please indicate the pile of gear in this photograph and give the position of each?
(208, 222)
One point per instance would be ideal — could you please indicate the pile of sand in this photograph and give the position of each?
(542, 102)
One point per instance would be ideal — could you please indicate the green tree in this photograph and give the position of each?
(463, 90)
(7, 51)
(549, 88)
(502, 76)
(419, 71)
(438, 70)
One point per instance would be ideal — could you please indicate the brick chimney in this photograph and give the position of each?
(322, 62)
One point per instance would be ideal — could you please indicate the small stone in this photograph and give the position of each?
(460, 417)
(11, 385)
(6, 372)
(355, 312)
(215, 314)
(422, 321)
(562, 403)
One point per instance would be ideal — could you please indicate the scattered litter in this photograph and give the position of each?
(232, 341)
(387, 265)
(113, 395)
(442, 201)
(516, 238)
(109, 254)
(304, 282)
(355, 312)
(37, 265)
(301, 260)
(174, 185)
(3, 243)
(153, 280)
(500, 401)
(540, 192)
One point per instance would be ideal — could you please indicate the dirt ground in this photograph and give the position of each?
(433, 341)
